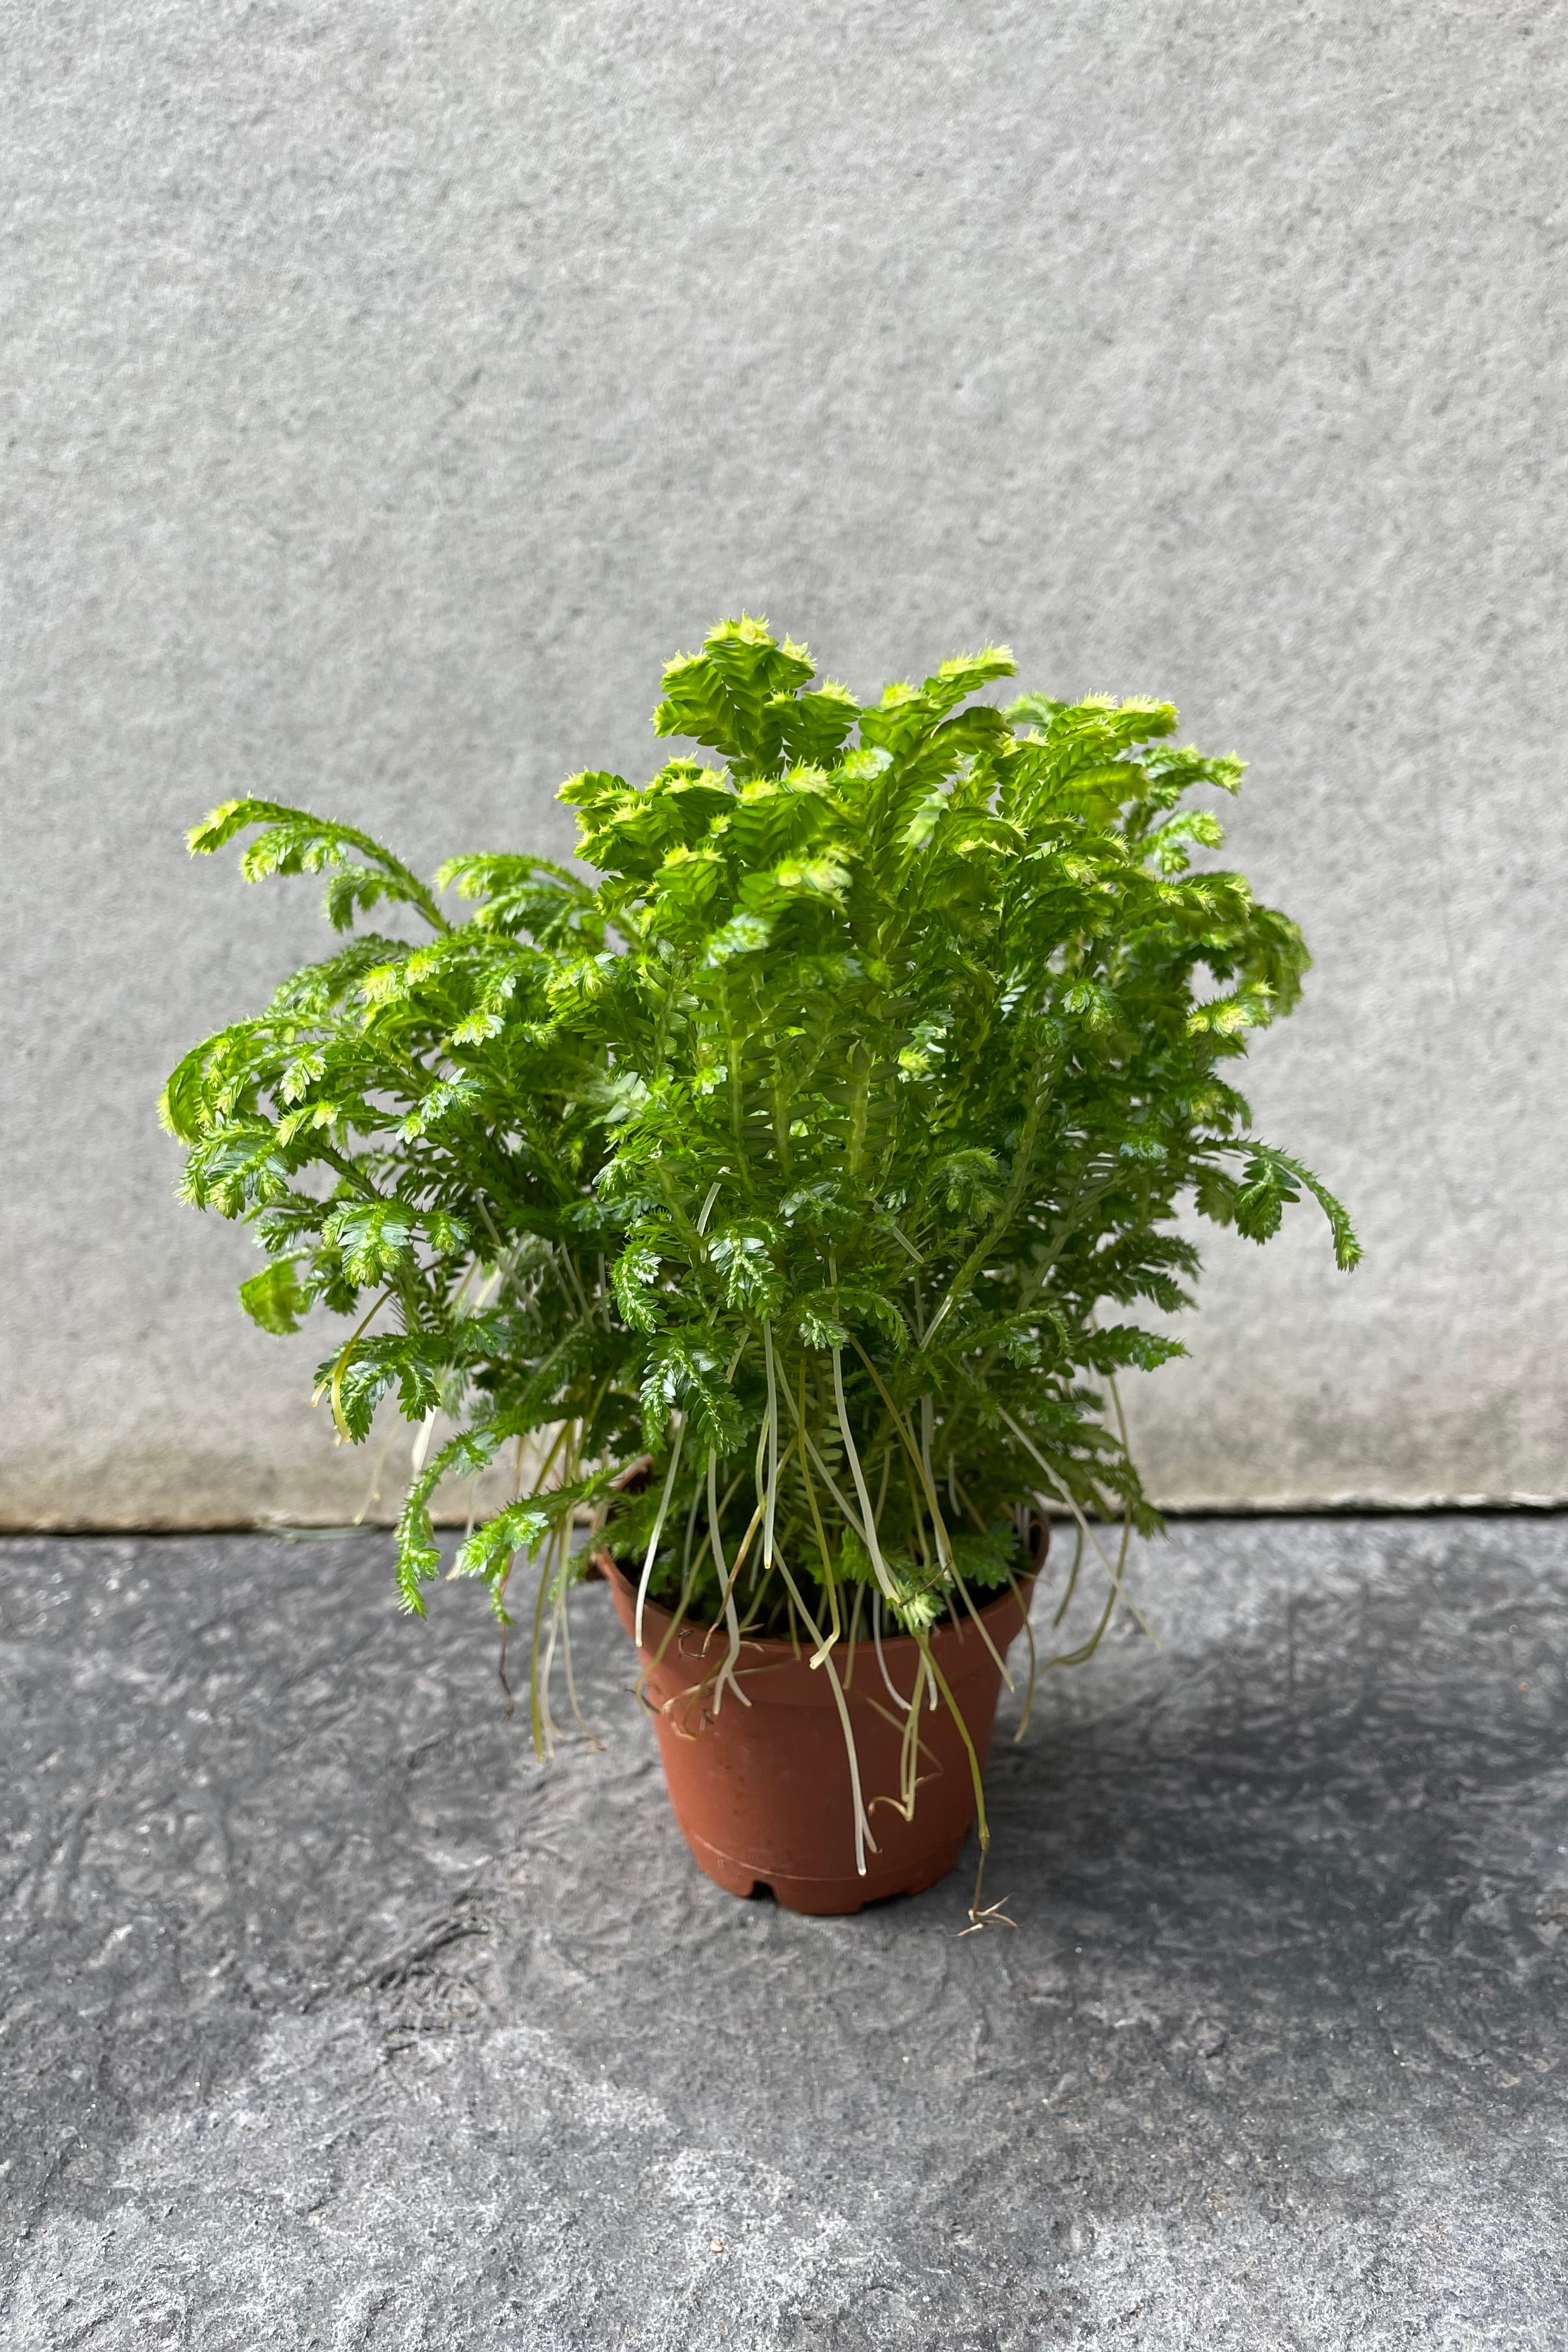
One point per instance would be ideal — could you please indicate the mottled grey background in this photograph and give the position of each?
(388, 391)
(334, 2022)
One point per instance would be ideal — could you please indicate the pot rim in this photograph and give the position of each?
(896, 1647)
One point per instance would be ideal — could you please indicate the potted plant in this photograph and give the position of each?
(765, 1196)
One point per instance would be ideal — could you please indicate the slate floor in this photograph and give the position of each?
(328, 2019)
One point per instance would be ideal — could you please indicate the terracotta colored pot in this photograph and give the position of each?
(762, 1793)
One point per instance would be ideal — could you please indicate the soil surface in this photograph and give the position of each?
(329, 2018)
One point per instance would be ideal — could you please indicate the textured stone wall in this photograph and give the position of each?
(389, 391)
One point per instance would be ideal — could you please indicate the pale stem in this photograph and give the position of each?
(896, 1696)
(879, 1564)
(727, 1670)
(944, 1546)
(773, 1440)
(862, 1823)
(1113, 1572)
(653, 1541)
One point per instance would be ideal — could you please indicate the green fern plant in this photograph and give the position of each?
(803, 1161)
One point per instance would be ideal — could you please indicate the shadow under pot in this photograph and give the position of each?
(760, 1773)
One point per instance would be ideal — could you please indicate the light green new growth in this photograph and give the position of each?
(803, 1155)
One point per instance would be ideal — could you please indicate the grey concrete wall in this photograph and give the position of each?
(389, 391)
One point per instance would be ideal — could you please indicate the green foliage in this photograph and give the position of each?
(800, 1154)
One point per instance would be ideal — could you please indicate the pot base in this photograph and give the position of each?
(822, 1898)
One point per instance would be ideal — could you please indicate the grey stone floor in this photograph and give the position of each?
(329, 2018)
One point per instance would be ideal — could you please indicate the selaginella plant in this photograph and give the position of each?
(798, 1156)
